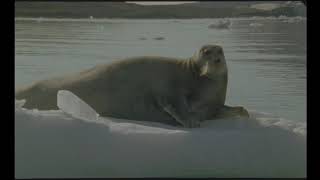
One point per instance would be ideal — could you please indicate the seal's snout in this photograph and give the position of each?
(211, 60)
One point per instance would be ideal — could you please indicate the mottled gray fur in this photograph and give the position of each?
(168, 90)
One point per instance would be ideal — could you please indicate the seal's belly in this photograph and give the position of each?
(128, 91)
(133, 98)
(136, 107)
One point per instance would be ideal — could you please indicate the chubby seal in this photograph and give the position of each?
(168, 90)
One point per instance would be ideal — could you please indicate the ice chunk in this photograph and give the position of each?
(73, 105)
(221, 24)
(255, 24)
(293, 20)
(19, 103)
(48, 144)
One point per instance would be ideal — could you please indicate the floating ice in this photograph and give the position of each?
(221, 24)
(265, 6)
(53, 144)
(255, 24)
(71, 104)
(294, 19)
(40, 19)
(283, 17)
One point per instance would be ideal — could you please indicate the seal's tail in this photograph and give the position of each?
(36, 97)
(22, 93)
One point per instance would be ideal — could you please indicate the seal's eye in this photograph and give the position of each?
(217, 60)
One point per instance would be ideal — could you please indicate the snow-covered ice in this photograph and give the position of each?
(56, 144)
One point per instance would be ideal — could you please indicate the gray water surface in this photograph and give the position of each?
(267, 64)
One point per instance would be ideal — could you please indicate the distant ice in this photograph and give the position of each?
(221, 24)
(55, 144)
(281, 18)
(255, 24)
(265, 6)
(40, 19)
(218, 23)
(159, 38)
(294, 19)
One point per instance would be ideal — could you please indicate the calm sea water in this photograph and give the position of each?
(267, 64)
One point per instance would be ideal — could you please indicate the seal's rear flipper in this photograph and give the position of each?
(228, 111)
(73, 105)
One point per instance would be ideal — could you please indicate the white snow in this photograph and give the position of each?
(53, 144)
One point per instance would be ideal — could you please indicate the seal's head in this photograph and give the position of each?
(211, 61)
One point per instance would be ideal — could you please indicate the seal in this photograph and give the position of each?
(161, 89)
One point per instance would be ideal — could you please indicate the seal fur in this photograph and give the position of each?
(168, 90)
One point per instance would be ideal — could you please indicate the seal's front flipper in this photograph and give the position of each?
(170, 110)
(188, 122)
(179, 117)
(228, 111)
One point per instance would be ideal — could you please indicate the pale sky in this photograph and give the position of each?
(159, 2)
